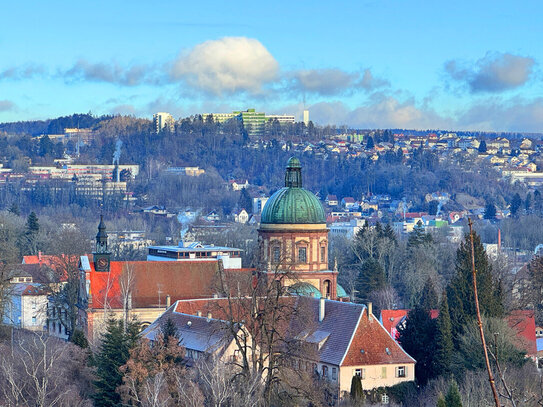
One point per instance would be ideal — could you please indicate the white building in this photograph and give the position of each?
(306, 117)
(27, 307)
(162, 119)
(347, 229)
(258, 204)
(191, 251)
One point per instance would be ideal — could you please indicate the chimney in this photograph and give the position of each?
(209, 315)
(199, 313)
(322, 307)
(370, 311)
(168, 301)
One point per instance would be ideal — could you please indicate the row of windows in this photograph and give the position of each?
(302, 254)
(400, 371)
(312, 367)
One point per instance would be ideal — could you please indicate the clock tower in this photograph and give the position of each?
(101, 254)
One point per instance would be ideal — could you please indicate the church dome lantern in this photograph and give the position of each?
(293, 204)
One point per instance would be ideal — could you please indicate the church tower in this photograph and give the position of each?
(101, 254)
(293, 236)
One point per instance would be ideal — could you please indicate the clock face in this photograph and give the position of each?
(102, 263)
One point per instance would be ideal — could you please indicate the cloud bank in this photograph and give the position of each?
(226, 66)
(333, 81)
(493, 73)
(84, 70)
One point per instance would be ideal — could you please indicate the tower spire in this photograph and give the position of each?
(101, 254)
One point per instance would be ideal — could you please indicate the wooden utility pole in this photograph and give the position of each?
(479, 321)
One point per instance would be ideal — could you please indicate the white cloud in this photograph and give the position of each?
(493, 73)
(227, 66)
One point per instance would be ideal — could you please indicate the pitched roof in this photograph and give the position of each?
(337, 339)
(154, 280)
(372, 345)
(523, 322)
(39, 273)
(28, 289)
(197, 333)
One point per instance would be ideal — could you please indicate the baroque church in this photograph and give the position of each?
(293, 238)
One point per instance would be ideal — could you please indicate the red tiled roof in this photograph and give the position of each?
(523, 322)
(390, 318)
(370, 343)
(154, 280)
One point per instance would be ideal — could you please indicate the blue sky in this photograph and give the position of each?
(410, 64)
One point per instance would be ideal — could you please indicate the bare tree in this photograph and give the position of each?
(39, 371)
(127, 281)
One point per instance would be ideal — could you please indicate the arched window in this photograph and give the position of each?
(327, 288)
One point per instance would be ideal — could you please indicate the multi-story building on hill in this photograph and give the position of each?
(254, 122)
(163, 120)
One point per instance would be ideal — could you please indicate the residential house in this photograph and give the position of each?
(339, 339)
(241, 216)
(26, 307)
(238, 185)
(212, 216)
(348, 202)
(331, 200)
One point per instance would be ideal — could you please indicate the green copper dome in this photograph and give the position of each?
(293, 204)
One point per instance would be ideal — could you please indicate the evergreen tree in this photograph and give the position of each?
(419, 237)
(78, 338)
(32, 224)
(370, 144)
(482, 147)
(444, 342)
(460, 290)
(515, 204)
(418, 340)
(429, 299)
(453, 399)
(371, 277)
(441, 401)
(169, 330)
(357, 392)
(113, 353)
(389, 233)
(490, 211)
(245, 201)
